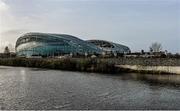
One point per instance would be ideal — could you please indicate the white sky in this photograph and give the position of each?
(135, 23)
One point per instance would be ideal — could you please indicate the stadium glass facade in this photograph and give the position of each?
(45, 44)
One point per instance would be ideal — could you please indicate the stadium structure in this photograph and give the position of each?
(110, 47)
(48, 45)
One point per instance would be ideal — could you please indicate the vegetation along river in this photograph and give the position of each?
(33, 88)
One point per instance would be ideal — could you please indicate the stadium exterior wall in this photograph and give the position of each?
(45, 44)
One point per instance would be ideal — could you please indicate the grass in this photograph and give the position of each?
(82, 64)
(87, 65)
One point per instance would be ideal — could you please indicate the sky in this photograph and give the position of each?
(134, 23)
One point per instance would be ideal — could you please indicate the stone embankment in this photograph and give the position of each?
(152, 69)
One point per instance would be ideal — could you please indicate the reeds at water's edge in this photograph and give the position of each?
(82, 64)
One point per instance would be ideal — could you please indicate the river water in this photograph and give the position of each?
(32, 88)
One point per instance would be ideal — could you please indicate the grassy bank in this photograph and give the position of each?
(91, 64)
(145, 61)
(87, 65)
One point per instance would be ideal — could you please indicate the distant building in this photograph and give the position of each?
(45, 44)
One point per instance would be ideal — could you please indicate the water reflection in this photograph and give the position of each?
(158, 80)
(23, 75)
(32, 88)
(163, 80)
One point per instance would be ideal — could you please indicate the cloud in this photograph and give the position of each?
(8, 27)
(130, 23)
(13, 25)
(3, 6)
(3, 10)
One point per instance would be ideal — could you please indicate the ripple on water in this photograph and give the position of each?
(29, 88)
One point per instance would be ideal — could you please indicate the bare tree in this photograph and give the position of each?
(6, 50)
(142, 52)
(155, 47)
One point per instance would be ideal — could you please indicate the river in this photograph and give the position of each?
(33, 88)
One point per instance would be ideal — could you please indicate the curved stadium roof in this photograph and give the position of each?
(50, 44)
(53, 44)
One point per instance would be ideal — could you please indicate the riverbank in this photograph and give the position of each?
(100, 65)
(70, 64)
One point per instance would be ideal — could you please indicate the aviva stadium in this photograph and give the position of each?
(45, 45)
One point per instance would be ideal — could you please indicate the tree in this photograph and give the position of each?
(6, 50)
(155, 47)
(142, 52)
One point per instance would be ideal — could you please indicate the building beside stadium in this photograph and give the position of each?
(45, 45)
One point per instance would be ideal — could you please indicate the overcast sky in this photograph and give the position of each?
(135, 23)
